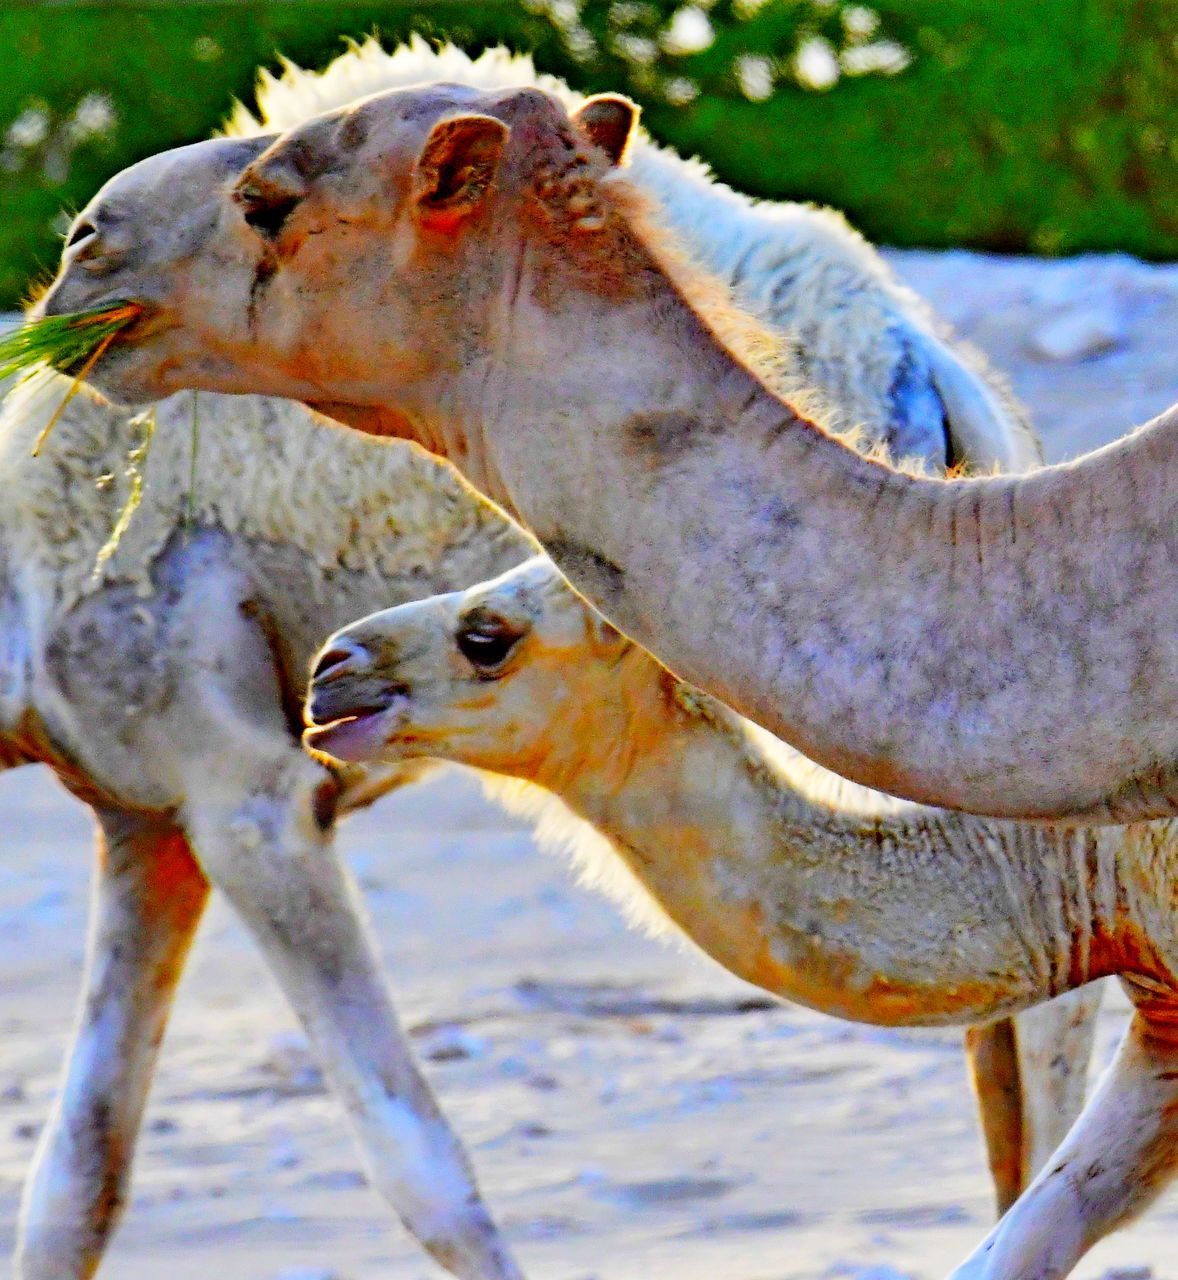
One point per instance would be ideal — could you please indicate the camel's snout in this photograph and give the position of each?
(76, 290)
(337, 676)
(352, 708)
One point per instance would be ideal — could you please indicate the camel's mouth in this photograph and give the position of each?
(71, 342)
(357, 736)
(131, 332)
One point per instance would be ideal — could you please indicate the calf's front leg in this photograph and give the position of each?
(148, 897)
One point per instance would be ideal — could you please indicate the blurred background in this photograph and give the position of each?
(1046, 127)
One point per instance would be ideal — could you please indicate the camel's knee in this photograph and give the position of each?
(269, 850)
(249, 833)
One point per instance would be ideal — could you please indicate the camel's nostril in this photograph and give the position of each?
(329, 661)
(83, 231)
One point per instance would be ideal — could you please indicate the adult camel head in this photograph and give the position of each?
(464, 268)
(253, 259)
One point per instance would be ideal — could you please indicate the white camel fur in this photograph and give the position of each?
(164, 691)
(839, 898)
(468, 270)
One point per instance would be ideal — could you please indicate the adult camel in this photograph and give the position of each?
(466, 269)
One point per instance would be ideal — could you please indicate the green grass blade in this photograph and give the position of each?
(62, 341)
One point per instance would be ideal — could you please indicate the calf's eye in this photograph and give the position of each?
(486, 647)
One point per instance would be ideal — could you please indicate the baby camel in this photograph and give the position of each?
(811, 887)
(464, 269)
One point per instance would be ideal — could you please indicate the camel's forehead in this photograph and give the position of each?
(429, 102)
(420, 102)
(399, 119)
(534, 588)
(178, 174)
(396, 120)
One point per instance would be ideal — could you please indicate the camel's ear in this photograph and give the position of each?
(608, 120)
(456, 168)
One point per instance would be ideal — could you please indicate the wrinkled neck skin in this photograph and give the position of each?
(833, 896)
(998, 645)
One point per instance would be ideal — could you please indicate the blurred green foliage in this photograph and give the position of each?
(1045, 127)
(165, 75)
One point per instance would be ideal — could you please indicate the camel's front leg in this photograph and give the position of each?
(1120, 1154)
(1029, 1076)
(261, 830)
(148, 898)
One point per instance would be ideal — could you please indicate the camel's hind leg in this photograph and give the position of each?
(148, 898)
(1120, 1154)
(1029, 1076)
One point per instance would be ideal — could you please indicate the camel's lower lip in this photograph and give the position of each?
(353, 738)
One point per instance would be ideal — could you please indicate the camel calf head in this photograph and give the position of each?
(496, 676)
(377, 245)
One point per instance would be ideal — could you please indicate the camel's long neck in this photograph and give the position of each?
(939, 640)
(870, 908)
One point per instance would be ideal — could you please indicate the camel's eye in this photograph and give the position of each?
(486, 643)
(265, 211)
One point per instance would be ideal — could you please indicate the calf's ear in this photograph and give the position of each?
(608, 120)
(456, 168)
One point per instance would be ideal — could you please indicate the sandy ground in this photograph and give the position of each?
(631, 1111)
